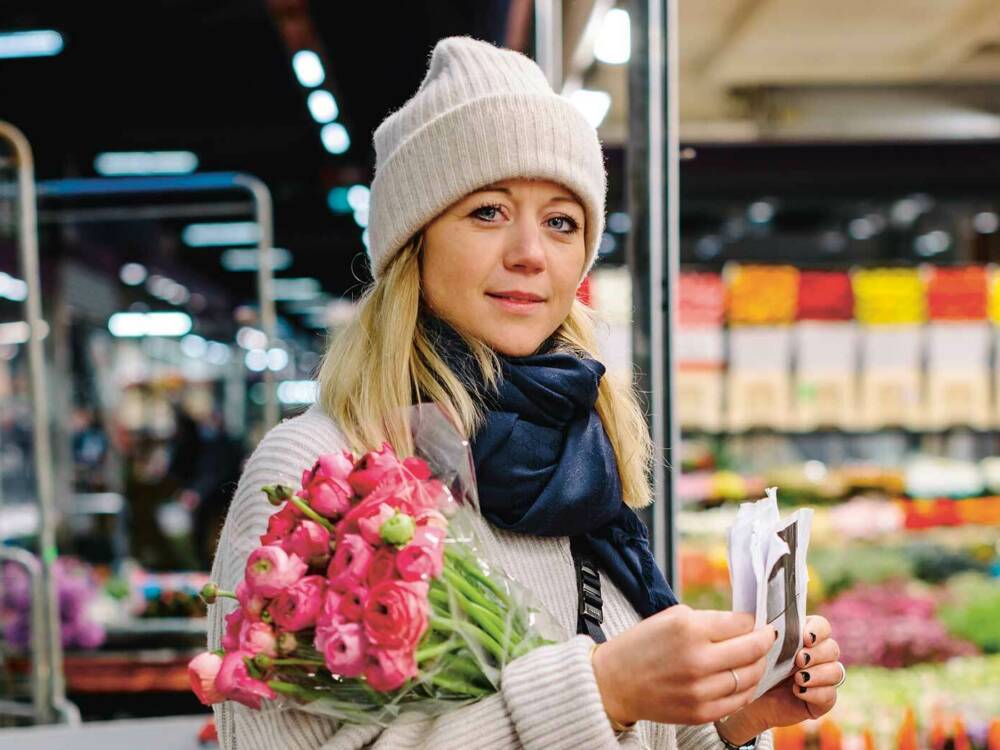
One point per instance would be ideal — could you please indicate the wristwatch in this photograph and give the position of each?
(749, 745)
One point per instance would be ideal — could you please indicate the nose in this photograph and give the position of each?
(525, 251)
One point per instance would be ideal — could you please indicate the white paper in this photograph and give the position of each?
(767, 567)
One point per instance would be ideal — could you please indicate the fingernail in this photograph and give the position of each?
(802, 689)
(805, 676)
(805, 660)
(813, 636)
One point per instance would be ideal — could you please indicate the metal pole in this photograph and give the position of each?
(47, 659)
(653, 249)
(265, 286)
(548, 40)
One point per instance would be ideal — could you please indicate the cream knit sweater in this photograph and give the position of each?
(548, 699)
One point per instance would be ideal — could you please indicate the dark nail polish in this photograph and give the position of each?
(775, 634)
(802, 689)
(806, 659)
(813, 636)
(805, 676)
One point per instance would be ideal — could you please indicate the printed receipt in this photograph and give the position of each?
(767, 567)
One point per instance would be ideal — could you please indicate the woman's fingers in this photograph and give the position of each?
(816, 630)
(827, 651)
(821, 699)
(723, 685)
(739, 651)
(822, 675)
(721, 626)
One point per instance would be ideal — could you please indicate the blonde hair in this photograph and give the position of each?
(374, 368)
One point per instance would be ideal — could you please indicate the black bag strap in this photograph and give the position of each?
(590, 614)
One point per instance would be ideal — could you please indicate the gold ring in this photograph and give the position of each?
(736, 682)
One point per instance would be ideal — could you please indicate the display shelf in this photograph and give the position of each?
(153, 670)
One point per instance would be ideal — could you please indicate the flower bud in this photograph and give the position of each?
(209, 592)
(277, 494)
(263, 662)
(398, 530)
(287, 643)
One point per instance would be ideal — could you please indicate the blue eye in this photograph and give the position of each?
(573, 226)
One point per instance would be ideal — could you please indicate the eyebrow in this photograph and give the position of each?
(500, 189)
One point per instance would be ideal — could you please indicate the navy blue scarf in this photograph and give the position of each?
(544, 464)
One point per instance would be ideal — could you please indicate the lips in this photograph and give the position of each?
(516, 296)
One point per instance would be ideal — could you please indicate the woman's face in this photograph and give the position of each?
(503, 263)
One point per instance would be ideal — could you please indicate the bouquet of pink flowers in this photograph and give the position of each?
(367, 595)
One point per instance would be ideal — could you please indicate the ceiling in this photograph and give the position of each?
(825, 69)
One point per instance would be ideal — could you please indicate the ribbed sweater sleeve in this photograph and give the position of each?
(548, 699)
(704, 737)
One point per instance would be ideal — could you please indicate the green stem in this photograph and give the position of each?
(473, 605)
(302, 505)
(438, 649)
(467, 589)
(484, 580)
(458, 686)
(294, 662)
(471, 631)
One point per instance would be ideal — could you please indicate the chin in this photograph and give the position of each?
(517, 345)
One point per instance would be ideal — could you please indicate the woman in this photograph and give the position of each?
(486, 210)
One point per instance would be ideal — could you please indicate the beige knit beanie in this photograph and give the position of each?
(481, 115)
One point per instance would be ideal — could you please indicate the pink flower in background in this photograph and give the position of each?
(235, 683)
(352, 604)
(258, 638)
(350, 563)
(298, 606)
(344, 650)
(388, 670)
(280, 524)
(373, 467)
(395, 614)
(234, 626)
(270, 569)
(202, 671)
(309, 541)
(250, 601)
(423, 558)
(383, 566)
(325, 485)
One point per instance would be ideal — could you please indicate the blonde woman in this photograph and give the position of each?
(486, 210)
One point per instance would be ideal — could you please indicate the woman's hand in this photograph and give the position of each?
(674, 667)
(807, 694)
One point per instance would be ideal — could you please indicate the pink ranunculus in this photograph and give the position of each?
(388, 669)
(298, 606)
(202, 671)
(251, 602)
(396, 614)
(349, 566)
(309, 541)
(281, 524)
(423, 558)
(352, 604)
(234, 681)
(372, 468)
(234, 626)
(258, 638)
(344, 650)
(270, 570)
(409, 494)
(430, 517)
(417, 467)
(325, 485)
(383, 567)
(370, 523)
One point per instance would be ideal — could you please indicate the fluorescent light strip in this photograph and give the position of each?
(214, 235)
(118, 163)
(42, 43)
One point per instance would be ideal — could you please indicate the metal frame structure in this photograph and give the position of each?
(49, 701)
(48, 686)
(654, 248)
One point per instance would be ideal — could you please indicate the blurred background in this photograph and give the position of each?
(832, 221)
